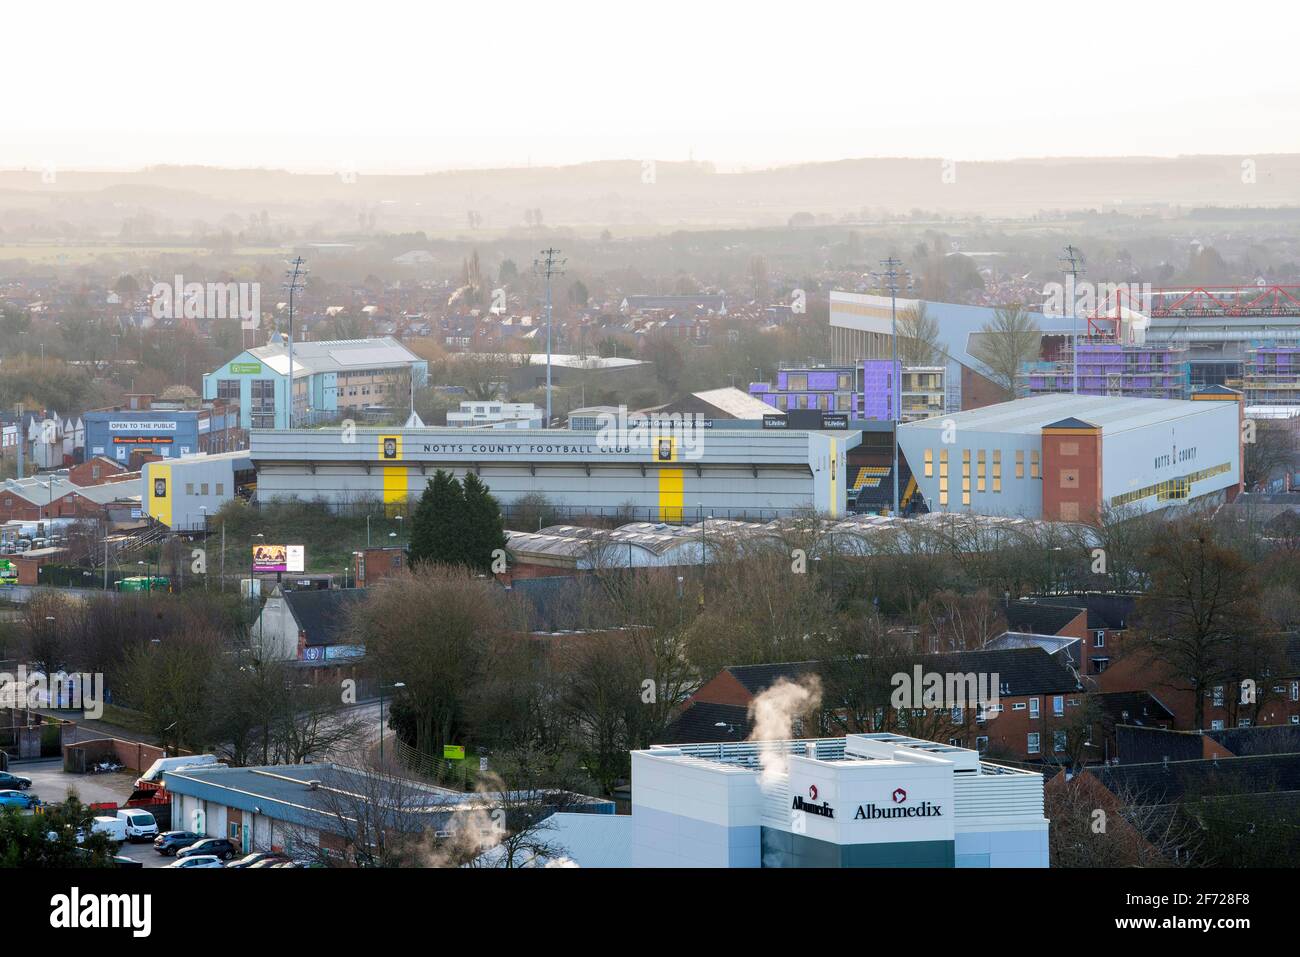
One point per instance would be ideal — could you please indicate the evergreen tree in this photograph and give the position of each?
(439, 525)
(486, 530)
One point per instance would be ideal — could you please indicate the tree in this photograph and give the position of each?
(1272, 449)
(484, 534)
(26, 842)
(1196, 618)
(434, 631)
(918, 337)
(439, 527)
(1007, 342)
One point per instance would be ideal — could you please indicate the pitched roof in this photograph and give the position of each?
(1031, 617)
(699, 720)
(1169, 782)
(321, 613)
(1020, 671)
(1111, 612)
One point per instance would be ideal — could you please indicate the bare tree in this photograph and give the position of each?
(1005, 343)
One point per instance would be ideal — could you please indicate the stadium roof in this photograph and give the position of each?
(335, 355)
(1029, 416)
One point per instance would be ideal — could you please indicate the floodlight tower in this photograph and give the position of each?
(548, 266)
(295, 279)
(1072, 265)
(892, 272)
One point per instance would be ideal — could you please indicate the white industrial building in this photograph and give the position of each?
(863, 800)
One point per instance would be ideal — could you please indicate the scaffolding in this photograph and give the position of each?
(1107, 367)
(1271, 374)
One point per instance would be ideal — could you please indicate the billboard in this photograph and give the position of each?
(278, 558)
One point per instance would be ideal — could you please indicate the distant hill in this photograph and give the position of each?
(676, 194)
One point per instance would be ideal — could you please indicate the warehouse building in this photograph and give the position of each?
(1067, 457)
(862, 800)
(674, 474)
(331, 378)
(148, 427)
(182, 493)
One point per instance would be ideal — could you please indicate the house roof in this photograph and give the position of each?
(1020, 671)
(1040, 619)
(1111, 612)
(699, 720)
(321, 613)
(1169, 782)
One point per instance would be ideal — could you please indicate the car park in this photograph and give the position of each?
(197, 861)
(140, 825)
(169, 842)
(218, 846)
(114, 828)
(14, 782)
(18, 799)
(257, 857)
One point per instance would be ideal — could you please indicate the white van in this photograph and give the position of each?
(140, 825)
(114, 827)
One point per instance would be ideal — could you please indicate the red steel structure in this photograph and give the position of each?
(1226, 301)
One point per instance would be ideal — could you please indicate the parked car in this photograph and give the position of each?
(18, 799)
(140, 825)
(114, 827)
(13, 782)
(169, 842)
(197, 860)
(257, 857)
(219, 846)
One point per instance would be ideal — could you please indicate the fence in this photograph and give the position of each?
(456, 774)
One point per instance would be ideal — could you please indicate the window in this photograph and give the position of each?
(929, 463)
(1295, 691)
(796, 383)
(1295, 719)
(227, 388)
(982, 743)
(1034, 471)
(1218, 696)
(234, 831)
(958, 716)
(997, 470)
(1058, 705)
(1018, 706)
(980, 471)
(221, 488)
(1216, 724)
(203, 488)
(189, 488)
(1033, 742)
(1099, 640)
(1058, 741)
(94, 471)
(1033, 707)
(1243, 722)
(1020, 463)
(844, 382)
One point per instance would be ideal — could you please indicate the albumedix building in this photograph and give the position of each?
(863, 800)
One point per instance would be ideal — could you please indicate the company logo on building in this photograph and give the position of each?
(869, 812)
(812, 791)
(899, 795)
(821, 810)
(208, 300)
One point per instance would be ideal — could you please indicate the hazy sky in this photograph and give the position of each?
(379, 85)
